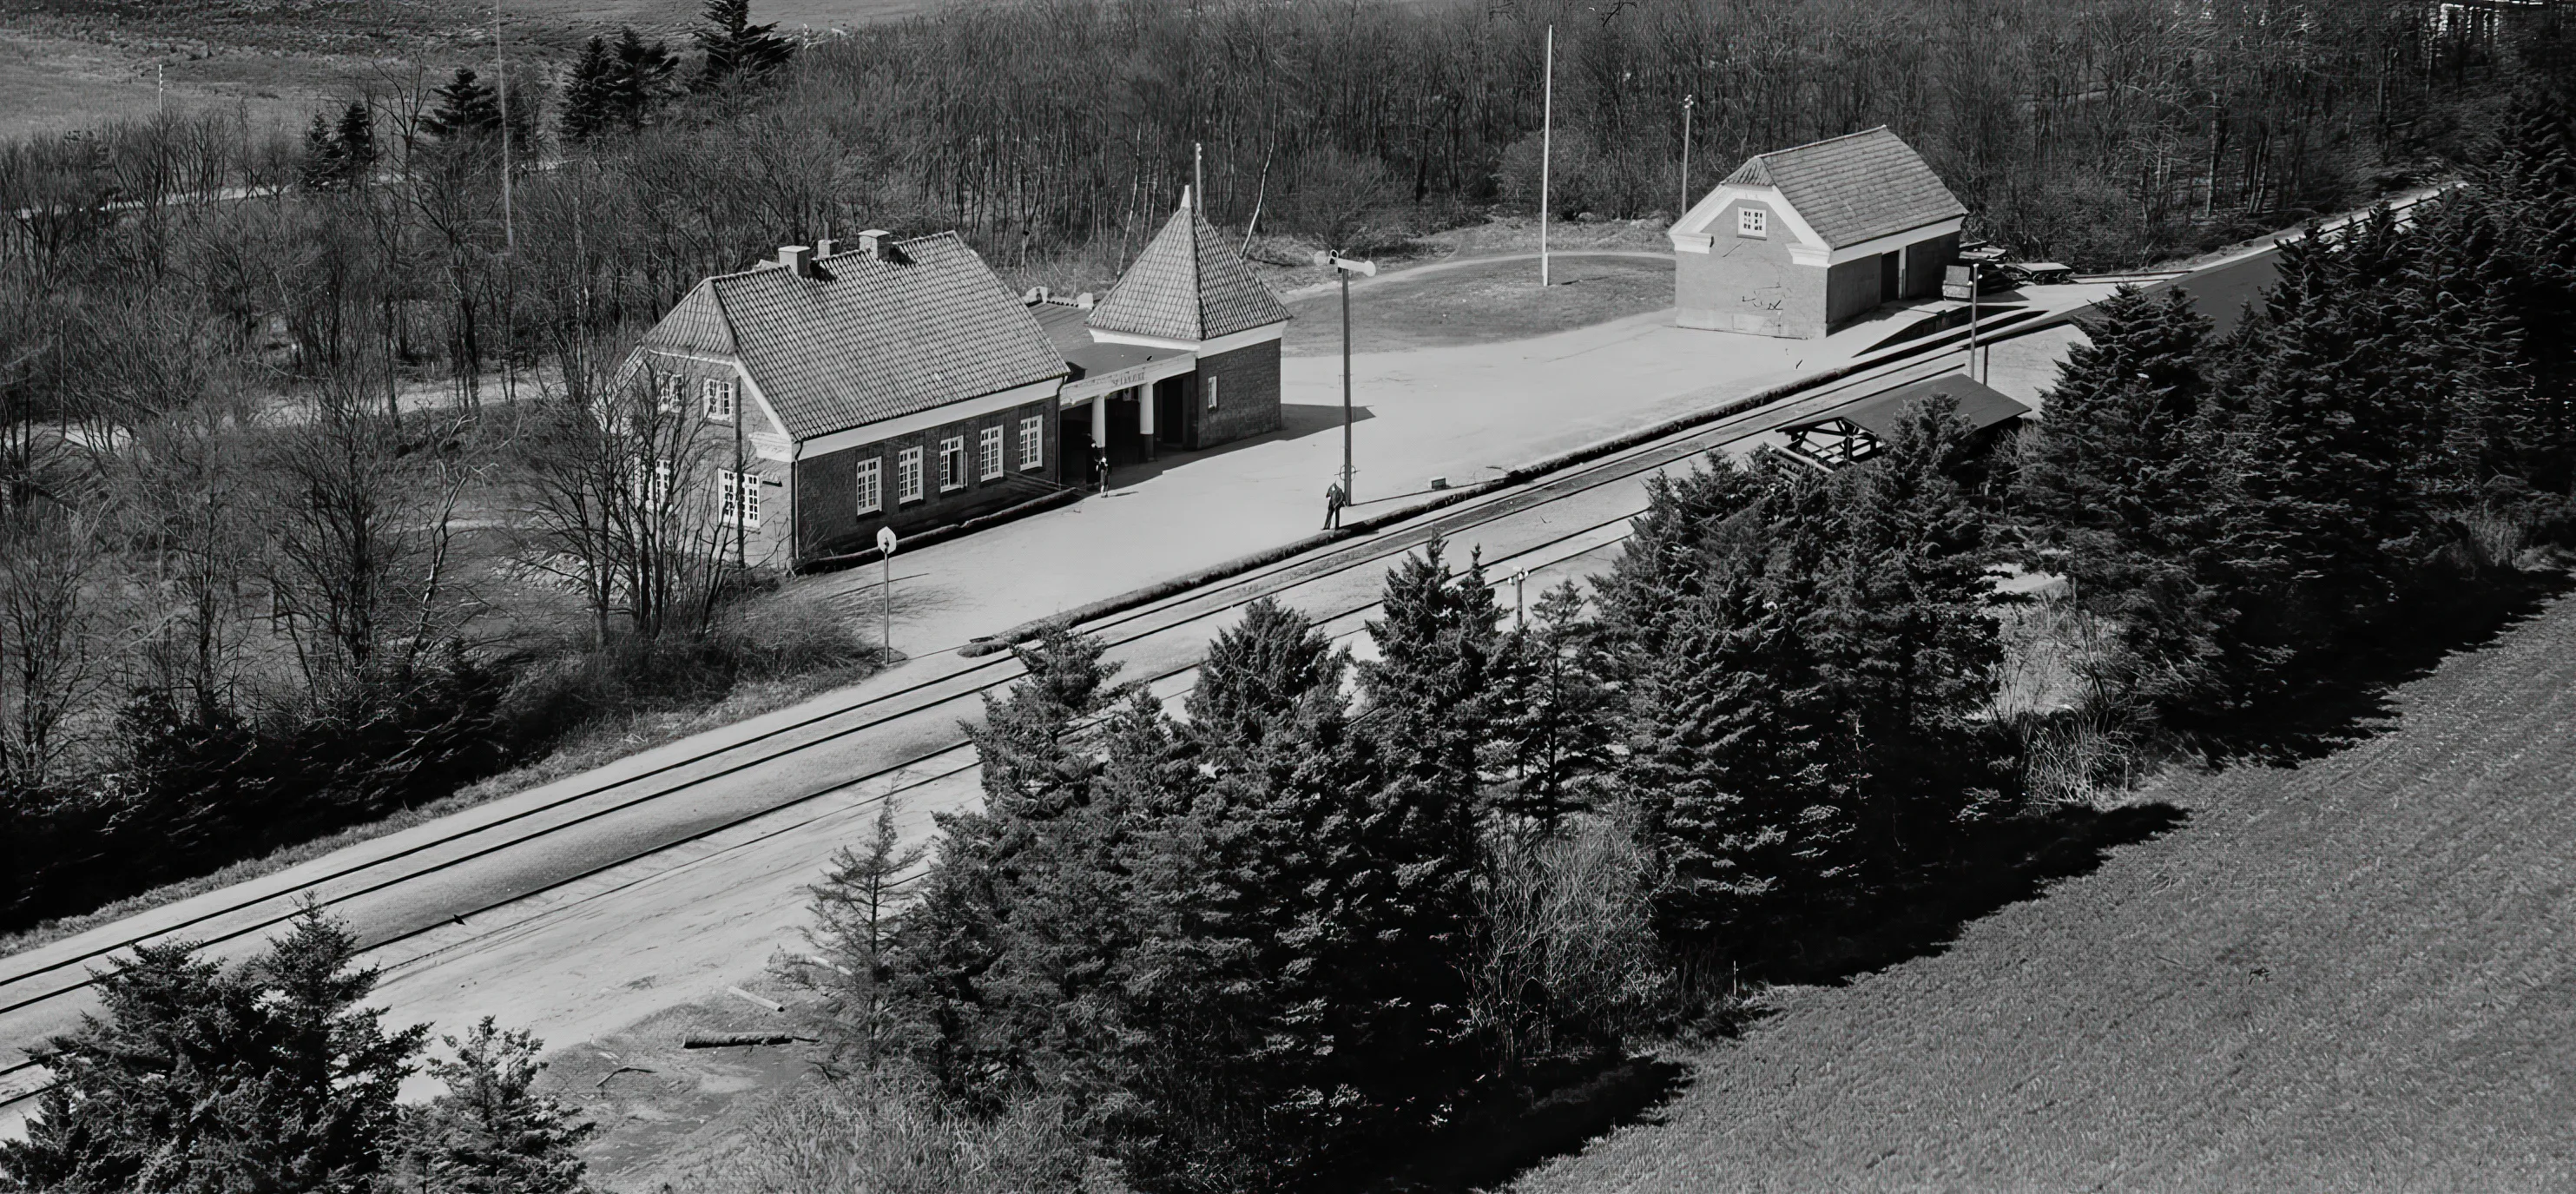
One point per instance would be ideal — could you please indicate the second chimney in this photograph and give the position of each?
(797, 260)
(825, 247)
(873, 241)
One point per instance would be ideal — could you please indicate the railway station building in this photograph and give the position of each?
(899, 384)
(1798, 242)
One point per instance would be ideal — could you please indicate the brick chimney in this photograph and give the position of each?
(797, 260)
(825, 247)
(875, 241)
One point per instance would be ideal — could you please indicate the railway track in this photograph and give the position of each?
(42, 976)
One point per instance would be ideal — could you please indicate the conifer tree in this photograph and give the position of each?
(491, 1132)
(1909, 637)
(320, 169)
(642, 78)
(269, 1076)
(855, 913)
(1737, 765)
(1556, 714)
(736, 49)
(1256, 671)
(355, 138)
(466, 108)
(588, 106)
(1430, 692)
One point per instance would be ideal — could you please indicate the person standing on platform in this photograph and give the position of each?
(1335, 497)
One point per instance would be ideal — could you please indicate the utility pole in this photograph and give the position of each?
(1688, 102)
(160, 87)
(1520, 599)
(1343, 268)
(1546, 147)
(1973, 266)
(509, 225)
(1198, 174)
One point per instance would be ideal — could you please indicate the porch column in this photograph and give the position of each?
(1100, 434)
(1145, 416)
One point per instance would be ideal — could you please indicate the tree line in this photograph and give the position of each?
(271, 1074)
(1329, 910)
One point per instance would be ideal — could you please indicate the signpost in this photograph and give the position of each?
(885, 551)
(1343, 268)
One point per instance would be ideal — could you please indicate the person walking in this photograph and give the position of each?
(1335, 497)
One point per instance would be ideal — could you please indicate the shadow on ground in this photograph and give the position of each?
(2349, 696)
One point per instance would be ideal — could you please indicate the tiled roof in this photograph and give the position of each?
(1187, 285)
(1090, 358)
(867, 339)
(1854, 188)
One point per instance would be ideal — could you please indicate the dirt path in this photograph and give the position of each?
(2351, 975)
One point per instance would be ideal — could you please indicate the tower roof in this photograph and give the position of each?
(1188, 284)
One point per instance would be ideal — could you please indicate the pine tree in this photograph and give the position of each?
(1556, 714)
(853, 936)
(322, 168)
(466, 108)
(641, 79)
(735, 48)
(1430, 691)
(588, 109)
(265, 1077)
(1256, 671)
(1002, 963)
(2528, 191)
(1739, 762)
(1909, 638)
(491, 1133)
(355, 137)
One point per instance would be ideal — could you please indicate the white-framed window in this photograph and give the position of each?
(907, 475)
(988, 453)
(717, 394)
(1032, 443)
(871, 485)
(1752, 221)
(667, 389)
(1207, 386)
(739, 494)
(952, 463)
(661, 482)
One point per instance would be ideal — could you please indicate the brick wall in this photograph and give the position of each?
(1247, 394)
(1748, 284)
(828, 520)
(1853, 287)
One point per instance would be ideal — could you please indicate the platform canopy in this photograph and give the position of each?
(1856, 431)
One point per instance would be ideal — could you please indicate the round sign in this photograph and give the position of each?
(885, 540)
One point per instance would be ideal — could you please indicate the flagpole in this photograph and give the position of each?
(1546, 147)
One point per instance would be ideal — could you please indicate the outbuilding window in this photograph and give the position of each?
(907, 475)
(718, 396)
(1032, 444)
(952, 463)
(1752, 221)
(988, 453)
(1207, 385)
(870, 485)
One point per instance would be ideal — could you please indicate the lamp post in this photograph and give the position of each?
(1971, 365)
(1343, 268)
(885, 551)
(1688, 102)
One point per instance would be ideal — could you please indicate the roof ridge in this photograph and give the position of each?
(1876, 128)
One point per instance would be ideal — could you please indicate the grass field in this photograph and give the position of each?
(1481, 304)
(2354, 974)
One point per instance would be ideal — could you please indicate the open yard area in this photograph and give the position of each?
(2354, 974)
(1481, 302)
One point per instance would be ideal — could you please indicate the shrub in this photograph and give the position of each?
(883, 1132)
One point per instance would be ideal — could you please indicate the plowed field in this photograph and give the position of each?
(2355, 974)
